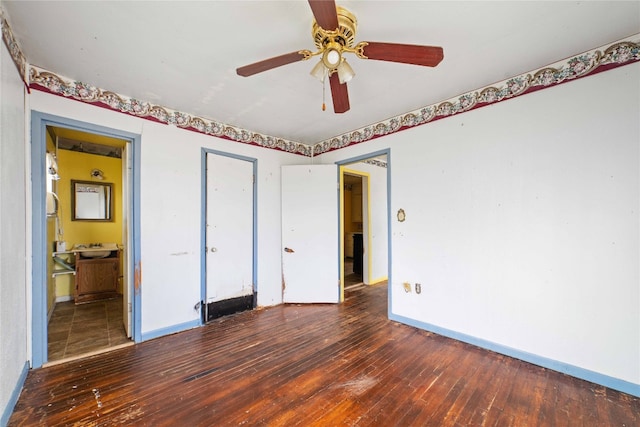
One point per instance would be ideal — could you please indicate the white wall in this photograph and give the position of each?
(523, 223)
(13, 234)
(171, 210)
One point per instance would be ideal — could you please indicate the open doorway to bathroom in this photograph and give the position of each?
(85, 238)
(87, 298)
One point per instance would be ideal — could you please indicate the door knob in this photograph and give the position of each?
(214, 250)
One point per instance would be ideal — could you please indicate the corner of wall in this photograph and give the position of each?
(15, 394)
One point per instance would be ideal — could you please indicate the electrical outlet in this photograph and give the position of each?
(407, 287)
(418, 288)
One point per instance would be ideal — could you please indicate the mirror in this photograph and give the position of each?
(91, 201)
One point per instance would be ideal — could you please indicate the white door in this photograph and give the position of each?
(310, 264)
(229, 228)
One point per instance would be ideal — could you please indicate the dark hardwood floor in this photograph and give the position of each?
(313, 365)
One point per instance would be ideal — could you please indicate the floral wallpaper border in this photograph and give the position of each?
(14, 47)
(620, 53)
(376, 162)
(90, 94)
(617, 54)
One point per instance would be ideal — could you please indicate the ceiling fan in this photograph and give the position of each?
(333, 31)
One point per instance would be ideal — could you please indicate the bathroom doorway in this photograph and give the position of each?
(87, 305)
(86, 246)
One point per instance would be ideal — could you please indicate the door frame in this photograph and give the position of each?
(39, 123)
(203, 225)
(342, 164)
(365, 179)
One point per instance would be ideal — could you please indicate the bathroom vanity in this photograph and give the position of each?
(96, 270)
(97, 278)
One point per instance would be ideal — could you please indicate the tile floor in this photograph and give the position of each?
(79, 329)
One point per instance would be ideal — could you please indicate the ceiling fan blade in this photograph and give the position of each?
(339, 94)
(429, 56)
(325, 13)
(268, 64)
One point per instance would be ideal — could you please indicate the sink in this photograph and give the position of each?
(95, 250)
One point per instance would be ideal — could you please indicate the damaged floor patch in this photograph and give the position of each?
(359, 385)
(96, 394)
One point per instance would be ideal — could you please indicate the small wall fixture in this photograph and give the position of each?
(97, 174)
(52, 166)
(401, 215)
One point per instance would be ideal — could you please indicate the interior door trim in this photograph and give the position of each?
(345, 162)
(366, 231)
(39, 123)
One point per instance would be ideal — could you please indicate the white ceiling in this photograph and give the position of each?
(183, 54)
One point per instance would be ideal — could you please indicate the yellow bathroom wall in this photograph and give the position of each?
(77, 166)
(348, 225)
(352, 196)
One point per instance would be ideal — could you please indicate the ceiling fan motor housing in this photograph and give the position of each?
(344, 35)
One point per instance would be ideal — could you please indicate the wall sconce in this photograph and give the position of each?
(97, 174)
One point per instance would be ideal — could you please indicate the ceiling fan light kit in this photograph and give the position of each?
(319, 71)
(345, 72)
(333, 32)
(332, 56)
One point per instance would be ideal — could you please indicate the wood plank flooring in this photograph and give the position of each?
(313, 365)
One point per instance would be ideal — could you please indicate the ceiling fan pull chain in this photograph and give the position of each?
(324, 78)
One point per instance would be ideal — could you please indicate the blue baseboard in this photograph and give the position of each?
(170, 330)
(13, 399)
(565, 368)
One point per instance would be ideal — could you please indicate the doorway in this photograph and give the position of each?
(312, 215)
(355, 220)
(364, 220)
(67, 157)
(229, 234)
